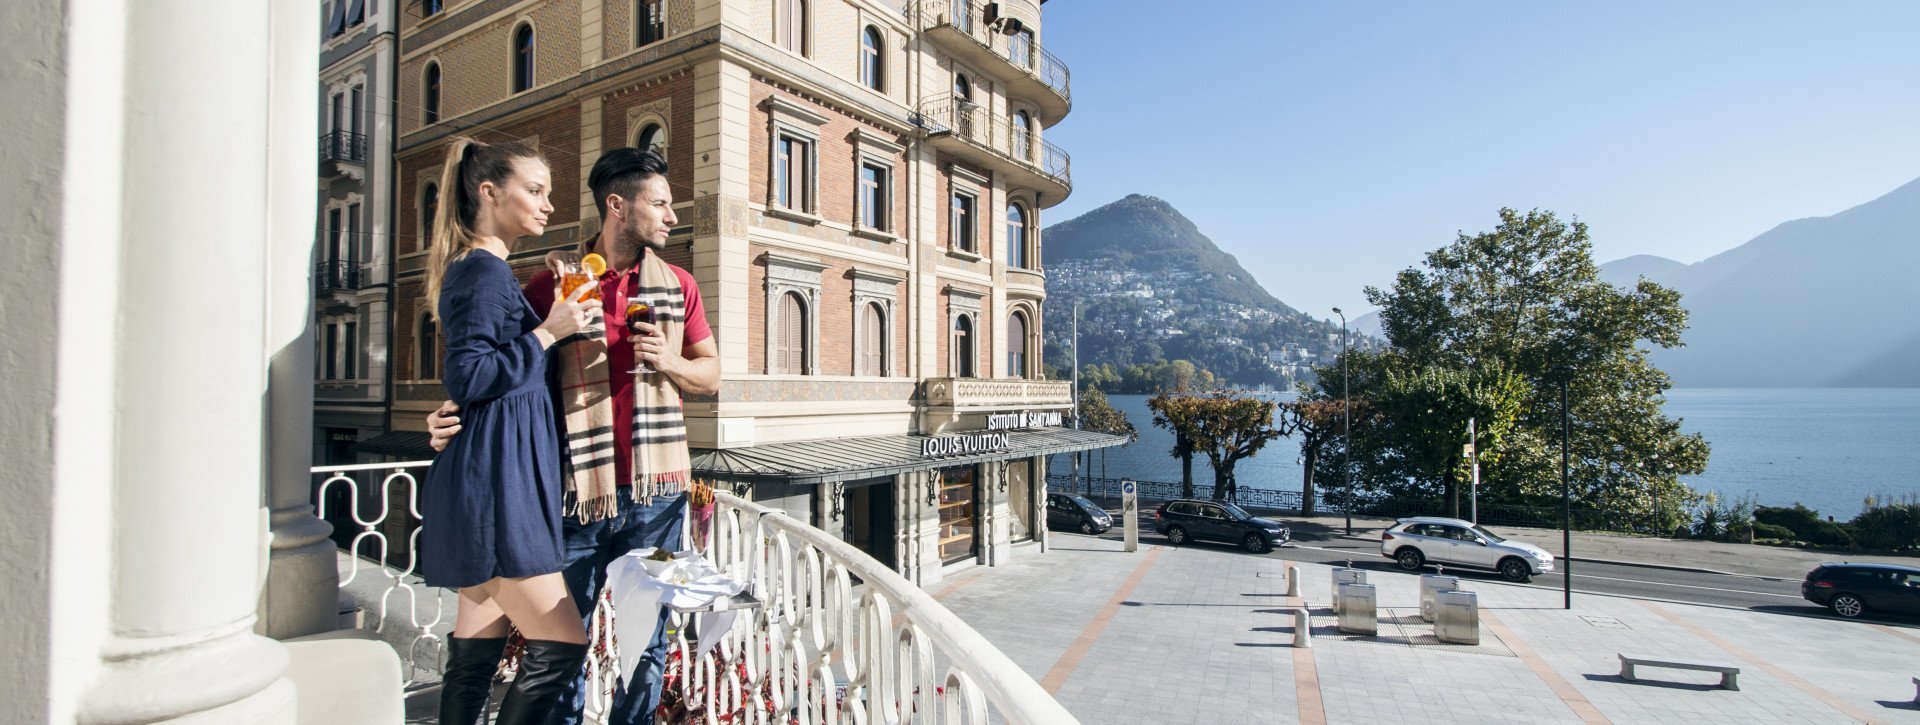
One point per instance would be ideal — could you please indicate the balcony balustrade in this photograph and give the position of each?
(343, 147)
(998, 393)
(969, 131)
(959, 27)
(338, 276)
(839, 636)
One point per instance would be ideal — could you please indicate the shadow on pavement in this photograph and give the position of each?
(1899, 704)
(1616, 679)
(1809, 610)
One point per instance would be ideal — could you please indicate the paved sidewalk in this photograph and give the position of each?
(1201, 634)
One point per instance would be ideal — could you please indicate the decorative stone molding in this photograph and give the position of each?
(783, 109)
(880, 288)
(656, 112)
(802, 276)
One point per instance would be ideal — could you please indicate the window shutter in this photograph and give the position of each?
(872, 342)
(793, 343)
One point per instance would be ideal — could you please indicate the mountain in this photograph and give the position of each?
(1824, 301)
(1628, 271)
(1367, 325)
(1151, 286)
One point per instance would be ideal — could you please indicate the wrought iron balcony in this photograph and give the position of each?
(996, 393)
(1030, 72)
(969, 131)
(839, 637)
(343, 147)
(338, 276)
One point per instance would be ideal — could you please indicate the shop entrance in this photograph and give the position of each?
(867, 510)
(959, 517)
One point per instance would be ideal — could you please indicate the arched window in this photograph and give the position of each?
(429, 206)
(1017, 236)
(651, 138)
(791, 25)
(426, 350)
(962, 88)
(873, 340)
(1017, 345)
(963, 356)
(523, 58)
(873, 66)
(1022, 136)
(790, 348)
(430, 95)
(652, 16)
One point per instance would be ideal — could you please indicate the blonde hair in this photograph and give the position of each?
(469, 164)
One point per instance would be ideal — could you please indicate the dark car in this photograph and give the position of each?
(1196, 520)
(1074, 512)
(1854, 589)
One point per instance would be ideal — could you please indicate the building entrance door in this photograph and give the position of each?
(868, 512)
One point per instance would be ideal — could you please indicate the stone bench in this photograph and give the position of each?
(1729, 675)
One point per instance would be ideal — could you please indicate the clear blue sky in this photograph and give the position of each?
(1329, 144)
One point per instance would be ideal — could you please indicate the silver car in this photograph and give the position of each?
(1417, 542)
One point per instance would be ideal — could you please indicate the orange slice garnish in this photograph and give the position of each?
(595, 264)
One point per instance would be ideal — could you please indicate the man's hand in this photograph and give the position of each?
(650, 346)
(443, 424)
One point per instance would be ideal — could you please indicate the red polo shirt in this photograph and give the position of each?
(614, 288)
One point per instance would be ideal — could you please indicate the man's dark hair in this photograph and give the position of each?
(621, 171)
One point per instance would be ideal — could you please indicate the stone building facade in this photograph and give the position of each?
(861, 184)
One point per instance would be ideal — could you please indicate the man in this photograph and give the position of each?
(634, 497)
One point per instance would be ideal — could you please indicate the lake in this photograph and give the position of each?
(1828, 448)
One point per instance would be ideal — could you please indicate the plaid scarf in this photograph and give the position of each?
(660, 461)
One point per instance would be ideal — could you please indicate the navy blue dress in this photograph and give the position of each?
(491, 502)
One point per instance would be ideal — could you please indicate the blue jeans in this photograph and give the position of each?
(589, 548)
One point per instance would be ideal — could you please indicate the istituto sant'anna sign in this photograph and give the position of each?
(960, 445)
(1023, 419)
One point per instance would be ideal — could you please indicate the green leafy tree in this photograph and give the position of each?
(1226, 426)
(1098, 414)
(1316, 423)
(1180, 414)
(1519, 301)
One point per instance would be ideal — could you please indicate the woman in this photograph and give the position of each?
(491, 502)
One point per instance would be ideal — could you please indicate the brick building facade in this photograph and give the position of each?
(845, 172)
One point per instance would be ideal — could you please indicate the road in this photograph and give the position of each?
(1777, 596)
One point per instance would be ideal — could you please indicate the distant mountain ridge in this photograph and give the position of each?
(1824, 301)
(1151, 286)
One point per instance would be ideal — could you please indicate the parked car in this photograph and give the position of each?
(1417, 542)
(1851, 590)
(1073, 512)
(1196, 520)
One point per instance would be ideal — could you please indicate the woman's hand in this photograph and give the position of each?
(568, 316)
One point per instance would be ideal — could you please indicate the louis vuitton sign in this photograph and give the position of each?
(964, 444)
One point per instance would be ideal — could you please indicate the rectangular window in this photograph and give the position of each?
(333, 352)
(876, 205)
(792, 184)
(336, 242)
(957, 515)
(350, 352)
(960, 222)
(350, 246)
(353, 110)
(1020, 49)
(653, 22)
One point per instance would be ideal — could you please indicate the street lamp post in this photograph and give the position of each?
(1346, 426)
(1566, 492)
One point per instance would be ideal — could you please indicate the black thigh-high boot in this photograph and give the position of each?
(468, 681)
(546, 670)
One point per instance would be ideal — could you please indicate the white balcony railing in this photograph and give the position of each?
(840, 636)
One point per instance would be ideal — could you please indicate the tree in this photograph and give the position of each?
(1315, 422)
(1227, 426)
(1518, 301)
(1098, 414)
(1179, 413)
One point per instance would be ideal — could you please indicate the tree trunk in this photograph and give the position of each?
(1306, 479)
(1220, 475)
(1453, 489)
(1186, 471)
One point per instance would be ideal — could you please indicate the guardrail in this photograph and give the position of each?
(840, 635)
(1328, 501)
(974, 123)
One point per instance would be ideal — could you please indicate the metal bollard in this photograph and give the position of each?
(1359, 613)
(1431, 584)
(1293, 580)
(1302, 628)
(1457, 617)
(1344, 575)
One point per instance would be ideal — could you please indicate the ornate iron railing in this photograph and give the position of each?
(975, 124)
(338, 275)
(967, 17)
(839, 636)
(343, 146)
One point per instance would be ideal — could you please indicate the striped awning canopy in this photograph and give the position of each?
(847, 459)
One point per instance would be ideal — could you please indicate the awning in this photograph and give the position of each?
(409, 445)
(846, 459)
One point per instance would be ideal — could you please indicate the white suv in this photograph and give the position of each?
(1416, 542)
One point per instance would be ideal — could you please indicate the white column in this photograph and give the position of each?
(187, 380)
(303, 583)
